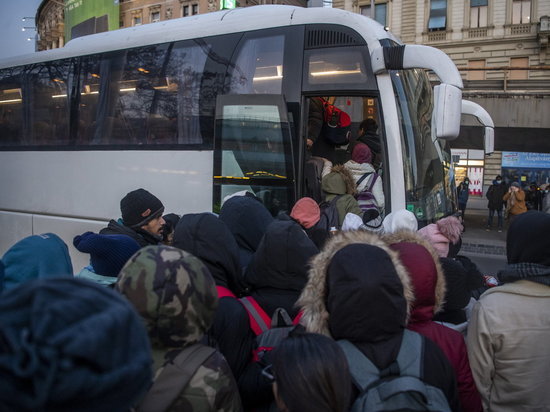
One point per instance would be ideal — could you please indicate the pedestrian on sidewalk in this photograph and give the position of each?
(509, 329)
(495, 194)
(515, 201)
(463, 192)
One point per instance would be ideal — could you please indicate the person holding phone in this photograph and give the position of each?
(515, 201)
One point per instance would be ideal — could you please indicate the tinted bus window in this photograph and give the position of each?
(45, 103)
(338, 68)
(11, 107)
(258, 68)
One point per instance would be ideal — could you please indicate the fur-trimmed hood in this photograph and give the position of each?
(422, 263)
(338, 182)
(339, 272)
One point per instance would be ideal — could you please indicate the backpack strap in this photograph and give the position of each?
(363, 178)
(259, 320)
(298, 317)
(409, 363)
(223, 292)
(411, 354)
(372, 182)
(363, 371)
(174, 377)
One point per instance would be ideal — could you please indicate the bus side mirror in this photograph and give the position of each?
(447, 111)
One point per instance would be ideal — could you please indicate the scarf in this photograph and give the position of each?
(525, 271)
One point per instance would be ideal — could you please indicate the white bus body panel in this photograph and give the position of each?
(393, 142)
(70, 192)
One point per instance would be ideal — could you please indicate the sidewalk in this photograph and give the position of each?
(477, 240)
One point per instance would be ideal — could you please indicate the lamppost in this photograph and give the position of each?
(27, 28)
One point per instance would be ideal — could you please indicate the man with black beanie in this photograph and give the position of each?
(141, 218)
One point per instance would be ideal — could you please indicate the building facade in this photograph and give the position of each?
(50, 16)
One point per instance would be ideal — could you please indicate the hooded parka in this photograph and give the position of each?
(358, 290)
(176, 297)
(277, 274)
(208, 238)
(428, 281)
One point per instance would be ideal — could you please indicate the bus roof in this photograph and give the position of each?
(208, 24)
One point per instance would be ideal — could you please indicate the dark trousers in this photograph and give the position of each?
(462, 208)
(490, 220)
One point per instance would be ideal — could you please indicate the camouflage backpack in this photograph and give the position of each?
(174, 377)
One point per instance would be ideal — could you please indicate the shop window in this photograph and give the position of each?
(469, 163)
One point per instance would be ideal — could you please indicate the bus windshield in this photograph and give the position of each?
(429, 181)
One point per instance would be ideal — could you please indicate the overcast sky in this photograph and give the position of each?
(13, 41)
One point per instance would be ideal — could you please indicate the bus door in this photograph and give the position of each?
(253, 150)
(321, 154)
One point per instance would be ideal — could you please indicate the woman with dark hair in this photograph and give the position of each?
(310, 373)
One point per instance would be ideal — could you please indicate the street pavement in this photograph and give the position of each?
(487, 249)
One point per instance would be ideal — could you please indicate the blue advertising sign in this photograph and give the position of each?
(526, 160)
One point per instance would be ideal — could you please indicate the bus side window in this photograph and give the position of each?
(45, 98)
(258, 68)
(11, 109)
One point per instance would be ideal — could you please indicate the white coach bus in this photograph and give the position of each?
(197, 108)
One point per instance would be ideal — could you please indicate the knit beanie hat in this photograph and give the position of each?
(441, 233)
(306, 212)
(361, 153)
(528, 239)
(400, 220)
(108, 253)
(35, 257)
(139, 207)
(70, 344)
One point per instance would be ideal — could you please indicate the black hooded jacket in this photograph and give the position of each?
(358, 290)
(276, 274)
(209, 239)
(247, 219)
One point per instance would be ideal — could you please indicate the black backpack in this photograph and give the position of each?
(398, 387)
(329, 215)
(269, 331)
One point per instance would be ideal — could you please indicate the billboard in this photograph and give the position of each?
(83, 17)
(526, 167)
(524, 159)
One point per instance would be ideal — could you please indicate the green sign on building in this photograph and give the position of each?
(83, 17)
(228, 4)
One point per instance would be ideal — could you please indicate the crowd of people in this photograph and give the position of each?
(246, 311)
(507, 201)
